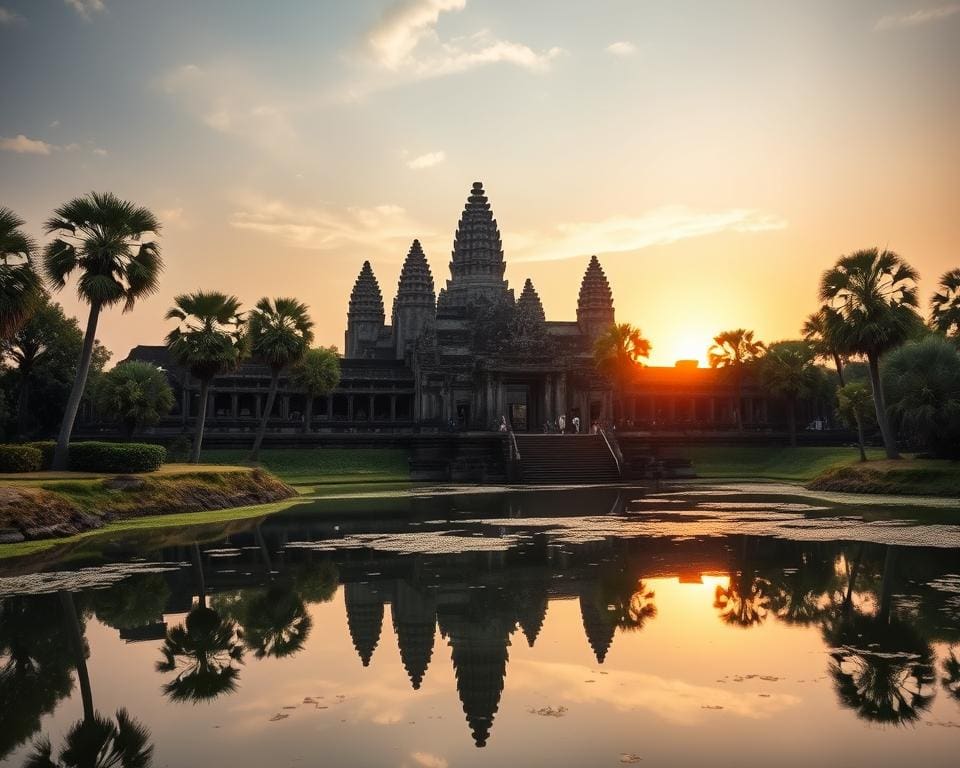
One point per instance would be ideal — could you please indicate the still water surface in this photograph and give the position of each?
(724, 626)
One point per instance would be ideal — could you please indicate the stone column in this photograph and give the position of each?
(489, 406)
(393, 407)
(330, 407)
(548, 398)
(370, 409)
(562, 394)
(500, 400)
(713, 410)
(211, 403)
(350, 408)
(234, 405)
(184, 403)
(258, 406)
(285, 407)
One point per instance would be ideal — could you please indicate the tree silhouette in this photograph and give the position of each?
(617, 355)
(21, 289)
(945, 306)
(736, 351)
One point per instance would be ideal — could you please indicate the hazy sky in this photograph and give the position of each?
(716, 155)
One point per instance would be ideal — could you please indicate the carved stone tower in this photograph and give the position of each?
(365, 316)
(414, 309)
(595, 304)
(477, 265)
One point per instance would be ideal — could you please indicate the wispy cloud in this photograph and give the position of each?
(8, 17)
(659, 226)
(622, 48)
(405, 45)
(428, 760)
(24, 145)
(386, 229)
(87, 8)
(230, 101)
(916, 18)
(427, 160)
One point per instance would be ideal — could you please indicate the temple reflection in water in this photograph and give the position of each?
(891, 639)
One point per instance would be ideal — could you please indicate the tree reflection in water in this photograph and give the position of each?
(94, 741)
(951, 672)
(274, 620)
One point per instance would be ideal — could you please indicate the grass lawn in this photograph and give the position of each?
(323, 466)
(921, 477)
(798, 465)
(50, 478)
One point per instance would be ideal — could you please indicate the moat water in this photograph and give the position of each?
(724, 626)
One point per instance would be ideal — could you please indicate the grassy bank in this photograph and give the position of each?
(913, 477)
(799, 465)
(44, 508)
(310, 467)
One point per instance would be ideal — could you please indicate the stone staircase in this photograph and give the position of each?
(566, 459)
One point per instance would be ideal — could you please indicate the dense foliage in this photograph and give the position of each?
(20, 286)
(134, 394)
(20, 458)
(116, 457)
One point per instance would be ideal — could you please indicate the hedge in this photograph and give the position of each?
(46, 450)
(20, 458)
(116, 457)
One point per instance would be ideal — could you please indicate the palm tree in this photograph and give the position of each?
(815, 332)
(788, 370)
(617, 354)
(855, 404)
(207, 341)
(317, 374)
(870, 299)
(945, 305)
(100, 237)
(20, 286)
(280, 333)
(735, 351)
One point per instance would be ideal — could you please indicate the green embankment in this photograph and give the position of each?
(309, 467)
(913, 477)
(798, 465)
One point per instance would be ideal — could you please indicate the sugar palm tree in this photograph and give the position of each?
(20, 286)
(735, 351)
(870, 298)
(788, 370)
(815, 332)
(945, 305)
(317, 375)
(101, 238)
(280, 332)
(207, 341)
(617, 355)
(855, 404)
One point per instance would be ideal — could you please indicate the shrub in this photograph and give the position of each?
(116, 457)
(46, 448)
(19, 458)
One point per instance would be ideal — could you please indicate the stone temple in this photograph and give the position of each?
(465, 357)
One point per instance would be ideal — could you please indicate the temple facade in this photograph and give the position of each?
(469, 356)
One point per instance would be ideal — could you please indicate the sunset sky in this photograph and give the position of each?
(715, 155)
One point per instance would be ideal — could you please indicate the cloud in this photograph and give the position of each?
(55, 124)
(427, 160)
(404, 45)
(100, 151)
(622, 48)
(428, 760)
(230, 101)
(8, 17)
(26, 146)
(86, 8)
(387, 229)
(659, 226)
(916, 18)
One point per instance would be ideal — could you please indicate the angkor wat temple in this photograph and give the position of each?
(467, 357)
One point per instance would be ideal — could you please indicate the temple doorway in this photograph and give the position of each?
(518, 417)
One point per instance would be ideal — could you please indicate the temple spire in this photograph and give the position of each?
(529, 304)
(415, 306)
(365, 315)
(595, 303)
(476, 265)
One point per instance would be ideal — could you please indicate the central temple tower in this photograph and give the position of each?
(477, 265)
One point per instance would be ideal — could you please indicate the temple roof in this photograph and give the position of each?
(416, 281)
(598, 625)
(529, 302)
(414, 621)
(364, 618)
(366, 301)
(595, 293)
(477, 250)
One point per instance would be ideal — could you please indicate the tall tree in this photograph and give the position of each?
(815, 332)
(21, 289)
(617, 355)
(134, 393)
(788, 370)
(736, 351)
(317, 375)
(945, 306)
(101, 238)
(855, 405)
(870, 299)
(280, 333)
(207, 341)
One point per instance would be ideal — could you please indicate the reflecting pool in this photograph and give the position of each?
(695, 625)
